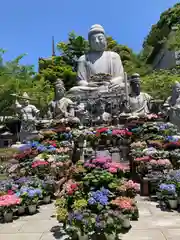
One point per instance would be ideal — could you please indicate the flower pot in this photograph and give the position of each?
(126, 223)
(47, 199)
(173, 203)
(32, 209)
(21, 210)
(114, 141)
(80, 144)
(108, 141)
(8, 217)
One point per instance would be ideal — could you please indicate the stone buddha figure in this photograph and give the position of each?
(173, 101)
(138, 102)
(98, 61)
(61, 108)
(172, 104)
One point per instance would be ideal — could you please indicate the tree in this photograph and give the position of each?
(159, 83)
(18, 78)
(65, 65)
(160, 31)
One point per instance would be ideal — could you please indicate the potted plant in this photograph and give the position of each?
(31, 196)
(8, 203)
(47, 191)
(126, 221)
(169, 193)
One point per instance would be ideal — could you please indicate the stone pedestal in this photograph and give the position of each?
(145, 187)
(124, 153)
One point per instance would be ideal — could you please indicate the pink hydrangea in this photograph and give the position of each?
(9, 200)
(163, 162)
(153, 162)
(112, 170)
(132, 185)
(89, 165)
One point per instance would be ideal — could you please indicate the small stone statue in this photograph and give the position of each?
(98, 61)
(138, 102)
(61, 107)
(174, 99)
(171, 107)
(28, 114)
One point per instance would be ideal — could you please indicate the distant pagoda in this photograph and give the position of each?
(48, 58)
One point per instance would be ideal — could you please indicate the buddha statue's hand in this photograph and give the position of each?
(83, 83)
(92, 84)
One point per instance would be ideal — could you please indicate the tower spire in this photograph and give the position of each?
(53, 47)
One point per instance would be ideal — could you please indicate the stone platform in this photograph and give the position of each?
(153, 224)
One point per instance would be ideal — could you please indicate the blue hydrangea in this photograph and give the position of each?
(99, 196)
(170, 188)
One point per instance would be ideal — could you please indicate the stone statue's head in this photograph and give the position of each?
(175, 93)
(25, 99)
(135, 83)
(97, 38)
(59, 89)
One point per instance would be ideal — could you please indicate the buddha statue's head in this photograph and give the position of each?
(25, 99)
(59, 89)
(97, 38)
(135, 84)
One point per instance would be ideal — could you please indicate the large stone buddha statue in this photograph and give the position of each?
(99, 61)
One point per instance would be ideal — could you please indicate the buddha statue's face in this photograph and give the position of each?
(25, 102)
(98, 42)
(135, 87)
(59, 91)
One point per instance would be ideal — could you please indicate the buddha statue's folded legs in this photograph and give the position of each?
(115, 83)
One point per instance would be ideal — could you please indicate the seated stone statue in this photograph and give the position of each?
(173, 101)
(98, 61)
(61, 107)
(138, 103)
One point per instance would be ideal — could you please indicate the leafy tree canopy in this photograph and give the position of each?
(159, 83)
(18, 78)
(160, 31)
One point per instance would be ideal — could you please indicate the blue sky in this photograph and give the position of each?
(28, 26)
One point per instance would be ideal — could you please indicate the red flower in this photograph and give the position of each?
(74, 186)
(39, 163)
(101, 130)
(10, 192)
(70, 192)
(143, 159)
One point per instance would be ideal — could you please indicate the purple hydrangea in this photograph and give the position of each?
(99, 196)
(170, 188)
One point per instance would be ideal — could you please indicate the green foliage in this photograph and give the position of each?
(131, 61)
(159, 83)
(73, 49)
(174, 41)
(160, 31)
(18, 78)
(51, 69)
(65, 65)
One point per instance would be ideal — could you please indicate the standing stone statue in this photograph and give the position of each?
(61, 107)
(28, 114)
(138, 102)
(98, 61)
